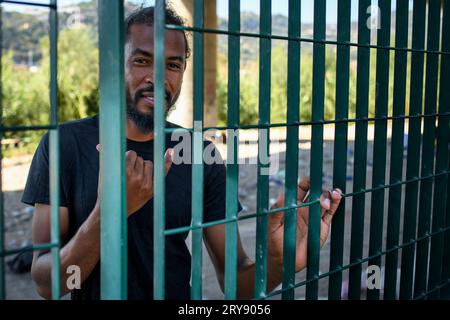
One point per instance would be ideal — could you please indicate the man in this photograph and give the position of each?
(80, 210)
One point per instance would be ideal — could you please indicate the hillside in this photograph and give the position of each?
(22, 32)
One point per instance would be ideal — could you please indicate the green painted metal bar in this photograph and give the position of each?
(197, 148)
(318, 96)
(2, 209)
(428, 141)
(445, 292)
(265, 47)
(54, 152)
(232, 152)
(340, 146)
(413, 150)
(348, 266)
(113, 228)
(380, 136)
(441, 286)
(44, 246)
(50, 5)
(169, 232)
(291, 183)
(309, 123)
(306, 40)
(159, 217)
(396, 167)
(360, 160)
(442, 147)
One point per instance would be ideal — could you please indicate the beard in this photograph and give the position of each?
(144, 120)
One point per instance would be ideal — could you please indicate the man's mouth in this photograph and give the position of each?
(149, 98)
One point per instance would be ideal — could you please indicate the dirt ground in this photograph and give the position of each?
(18, 217)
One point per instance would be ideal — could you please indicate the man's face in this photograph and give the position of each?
(139, 73)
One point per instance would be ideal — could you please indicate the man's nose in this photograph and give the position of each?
(149, 78)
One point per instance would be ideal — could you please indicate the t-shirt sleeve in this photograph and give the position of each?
(37, 188)
(214, 207)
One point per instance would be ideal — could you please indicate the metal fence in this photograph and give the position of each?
(425, 251)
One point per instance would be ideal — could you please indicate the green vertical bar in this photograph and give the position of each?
(360, 160)
(445, 292)
(197, 167)
(293, 102)
(265, 28)
(379, 144)
(54, 151)
(340, 146)
(318, 96)
(396, 167)
(113, 229)
(232, 151)
(2, 220)
(426, 186)
(159, 135)
(413, 150)
(437, 242)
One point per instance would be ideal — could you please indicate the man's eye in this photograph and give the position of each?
(140, 61)
(174, 66)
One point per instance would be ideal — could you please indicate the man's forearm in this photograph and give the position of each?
(246, 278)
(83, 250)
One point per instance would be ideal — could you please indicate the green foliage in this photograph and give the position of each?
(25, 93)
(23, 100)
(21, 34)
(249, 87)
(77, 73)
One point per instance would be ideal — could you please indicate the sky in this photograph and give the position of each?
(278, 7)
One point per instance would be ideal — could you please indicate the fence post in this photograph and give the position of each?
(113, 234)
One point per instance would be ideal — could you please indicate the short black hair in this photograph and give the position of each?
(145, 15)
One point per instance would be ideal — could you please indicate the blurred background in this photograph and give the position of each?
(25, 100)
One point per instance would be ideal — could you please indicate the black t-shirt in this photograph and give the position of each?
(79, 167)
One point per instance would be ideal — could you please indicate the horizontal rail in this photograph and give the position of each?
(438, 287)
(360, 261)
(287, 38)
(309, 123)
(34, 4)
(170, 232)
(44, 246)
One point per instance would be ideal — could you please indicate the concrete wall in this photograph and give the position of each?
(183, 112)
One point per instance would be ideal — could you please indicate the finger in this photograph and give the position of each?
(98, 147)
(139, 166)
(277, 218)
(148, 173)
(325, 201)
(168, 159)
(130, 157)
(336, 196)
(327, 217)
(303, 214)
(303, 188)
